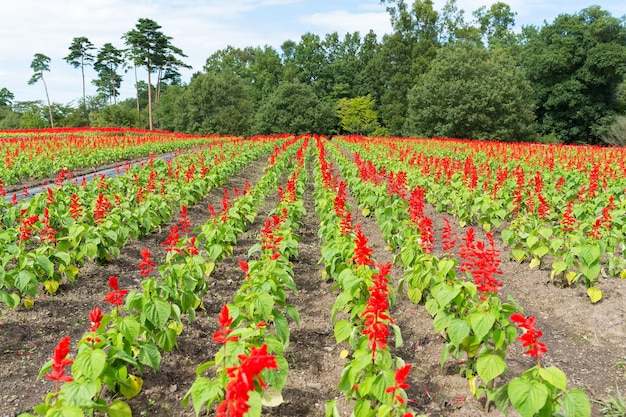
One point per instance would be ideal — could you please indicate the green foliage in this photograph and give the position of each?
(576, 64)
(114, 115)
(211, 103)
(293, 108)
(357, 115)
(471, 92)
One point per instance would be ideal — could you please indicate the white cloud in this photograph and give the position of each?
(342, 21)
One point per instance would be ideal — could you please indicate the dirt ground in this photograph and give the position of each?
(587, 341)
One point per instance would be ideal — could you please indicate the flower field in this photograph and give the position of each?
(304, 276)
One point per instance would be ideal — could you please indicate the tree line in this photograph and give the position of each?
(435, 74)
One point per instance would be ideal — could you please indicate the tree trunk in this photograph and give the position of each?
(149, 98)
(137, 94)
(48, 99)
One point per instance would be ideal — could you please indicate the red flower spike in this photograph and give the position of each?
(146, 265)
(95, 317)
(242, 381)
(362, 252)
(60, 361)
(115, 297)
(225, 321)
(530, 335)
(400, 378)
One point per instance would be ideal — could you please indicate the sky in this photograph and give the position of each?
(199, 28)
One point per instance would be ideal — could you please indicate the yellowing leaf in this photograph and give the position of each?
(570, 277)
(28, 303)
(472, 382)
(595, 294)
(344, 353)
(622, 274)
(272, 397)
(534, 263)
(366, 212)
(51, 286)
(131, 386)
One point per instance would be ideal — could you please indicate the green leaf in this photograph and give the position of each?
(527, 397)
(554, 376)
(129, 327)
(559, 267)
(507, 236)
(397, 334)
(45, 264)
(518, 254)
(282, 327)
(89, 363)
(67, 411)
(545, 232)
(202, 390)
(263, 304)
(119, 409)
(490, 367)
(80, 393)
(150, 355)
(540, 251)
(458, 330)
(343, 330)
(157, 312)
(576, 403)
(414, 294)
(531, 241)
(482, 323)
(590, 254)
(444, 293)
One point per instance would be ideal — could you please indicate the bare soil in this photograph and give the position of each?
(587, 341)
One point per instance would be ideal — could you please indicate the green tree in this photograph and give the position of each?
(151, 49)
(293, 108)
(41, 64)
(108, 61)
(80, 56)
(496, 25)
(114, 115)
(470, 92)
(404, 55)
(576, 65)
(211, 103)
(357, 115)
(6, 97)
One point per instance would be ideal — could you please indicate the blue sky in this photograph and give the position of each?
(199, 28)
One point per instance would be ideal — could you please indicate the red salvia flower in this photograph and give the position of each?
(184, 224)
(191, 248)
(481, 262)
(60, 361)
(400, 379)
(376, 315)
(361, 252)
(76, 210)
(568, 221)
(102, 207)
(448, 237)
(115, 297)
(26, 229)
(146, 265)
(530, 335)
(3, 192)
(225, 321)
(244, 267)
(49, 196)
(242, 381)
(95, 318)
(172, 240)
